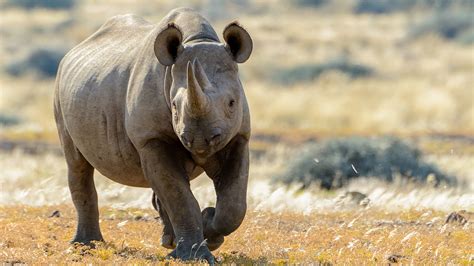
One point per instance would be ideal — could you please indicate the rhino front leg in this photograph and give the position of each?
(166, 173)
(84, 197)
(231, 188)
(167, 237)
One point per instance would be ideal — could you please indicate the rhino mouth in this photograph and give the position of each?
(202, 153)
(203, 148)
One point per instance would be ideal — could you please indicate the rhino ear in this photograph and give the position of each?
(238, 42)
(168, 44)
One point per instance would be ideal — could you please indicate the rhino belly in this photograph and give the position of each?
(113, 157)
(111, 154)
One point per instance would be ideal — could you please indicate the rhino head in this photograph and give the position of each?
(202, 87)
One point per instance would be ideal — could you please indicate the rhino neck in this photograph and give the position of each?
(193, 26)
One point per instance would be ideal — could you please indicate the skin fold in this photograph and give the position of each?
(155, 106)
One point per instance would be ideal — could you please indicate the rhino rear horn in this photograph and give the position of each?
(168, 44)
(238, 42)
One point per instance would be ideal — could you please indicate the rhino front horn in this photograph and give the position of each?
(196, 98)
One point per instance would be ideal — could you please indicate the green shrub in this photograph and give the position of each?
(43, 61)
(333, 163)
(382, 6)
(50, 4)
(450, 25)
(310, 72)
(310, 3)
(8, 120)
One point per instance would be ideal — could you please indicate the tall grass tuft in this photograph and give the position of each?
(332, 163)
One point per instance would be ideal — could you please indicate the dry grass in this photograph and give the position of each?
(32, 102)
(283, 225)
(419, 87)
(42, 177)
(344, 237)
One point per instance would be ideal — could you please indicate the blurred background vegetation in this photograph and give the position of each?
(362, 141)
(333, 68)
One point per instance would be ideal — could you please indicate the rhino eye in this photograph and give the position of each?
(231, 103)
(174, 105)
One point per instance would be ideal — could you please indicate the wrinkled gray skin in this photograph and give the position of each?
(155, 106)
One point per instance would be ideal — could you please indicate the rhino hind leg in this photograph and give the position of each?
(167, 238)
(83, 193)
(84, 197)
(81, 184)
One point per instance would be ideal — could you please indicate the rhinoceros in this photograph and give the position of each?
(154, 106)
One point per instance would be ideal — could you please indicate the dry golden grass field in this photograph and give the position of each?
(30, 236)
(317, 72)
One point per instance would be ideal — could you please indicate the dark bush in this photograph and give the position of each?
(8, 120)
(50, 4)
(467, 37)
(450, 25)
(389, 6)
(382, 6)
(333, 163)
(310, 3)
(309, 72)
(44, 62)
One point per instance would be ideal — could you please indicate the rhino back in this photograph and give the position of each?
(92, 89)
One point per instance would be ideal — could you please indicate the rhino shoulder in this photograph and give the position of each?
(122, 25)
(125, 20)
(118, 34)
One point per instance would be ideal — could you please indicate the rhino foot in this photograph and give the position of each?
(194, 253)
(167, 238)
(87, 235)
(214, 241)
(87, 241)
(167, 241)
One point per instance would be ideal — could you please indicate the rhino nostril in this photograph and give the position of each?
(214, 139)
(186, 140)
